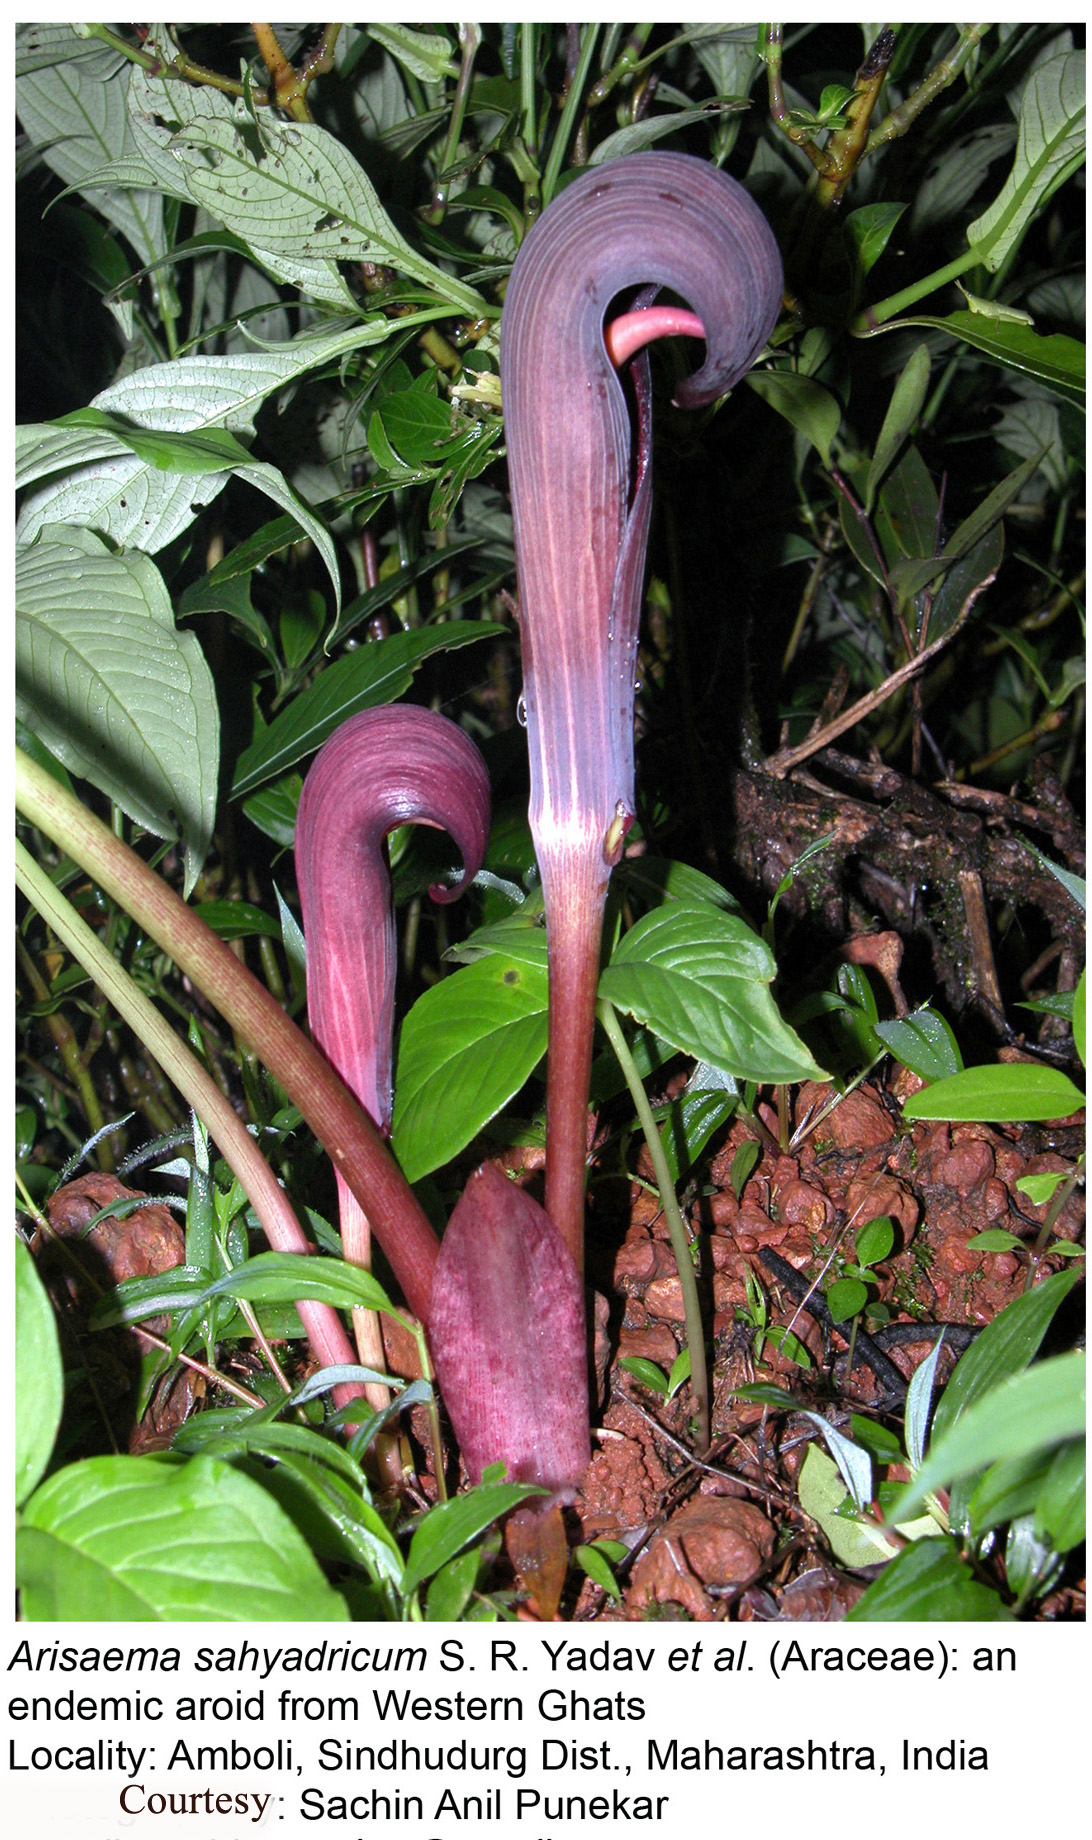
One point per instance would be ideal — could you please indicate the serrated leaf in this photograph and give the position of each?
(109, 685)
(39, 1376)
(465, 1049)
(451, 1525)
(699, 979)
(376, 673)
(1031, 1411)
(1049, 148)
(153, 1539)
(1005, 1094)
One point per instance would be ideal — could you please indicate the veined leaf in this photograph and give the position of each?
(71, 100)
(108, 684)
(809, 406)
(466, 1048)
(1055, 359)
(376, 673)
(305, 195)
(427, 55)
(153, 1539)
(39, 1376)
(699, 979)
(903, 410)
(1003, 1094)
(929, 1583)
(1049, 149)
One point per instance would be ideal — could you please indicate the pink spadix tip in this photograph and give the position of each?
(630, 331)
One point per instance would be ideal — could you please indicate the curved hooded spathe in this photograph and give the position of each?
(579, 466)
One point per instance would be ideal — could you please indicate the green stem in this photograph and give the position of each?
(695, 1334)
(272, 1206)
(337, 1119)
(938, 80)
(569, 113)
(528, 59)
(870, 319)
(470, 37)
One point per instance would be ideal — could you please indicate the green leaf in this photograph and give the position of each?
(466, 1048)
(822, 1493)
(451, 1525)
(1011, 1093)
(237, 920)
(846, 1298)
(1028, 1412)
(1060, 1509)
(906, 521)
(71, 101)
(1080, 1020)
(304, 195)
(907, 400)
(598, 1568)
(646, 1373)
(652, 128)
(699, 979)
(1055, 359)
(121, 698)
(689, 1123)
(809, 407)
(39, 1377)
(875, 1240)
(1040, 1188)
(273, 809)
(1049, 149)
(929, 1583)
(923, 1042)
(375, 673)
(1004, 1347)
(913, 576)
(153, 1539)
(449, 1592)
(868, 231)
(995, 1239)
(427, 55)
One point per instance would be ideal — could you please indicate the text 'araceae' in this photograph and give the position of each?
(579, 467)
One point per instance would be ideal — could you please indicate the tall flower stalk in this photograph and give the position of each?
(381, 768)
(579, 457)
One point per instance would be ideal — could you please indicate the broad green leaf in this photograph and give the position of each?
(1049, 149)
(689, 1124)
(868, 231)
(657, 879)
(1060, 1509)
(907, 399)
(273, 809)
(1003, 1348)
(451, 1525)
(1054, 359)
(1030, 1411)
(846, 1298)
(449, 1592)
(39, 1377)
(465, 1049)
(376, 673)
(427, 55)
(929, 1583)
(699, 978)
(822, 1492)
(807, 405)
(598, 1568)
(1008, 1489)
(923, 1042)
(1011, 1093)
(119, 695)
(913, 576)
(906, 520)
(646, 1373)
(875, 1240)
(304, 195)
(71, 100)
(237, 919)
(153, 1539)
